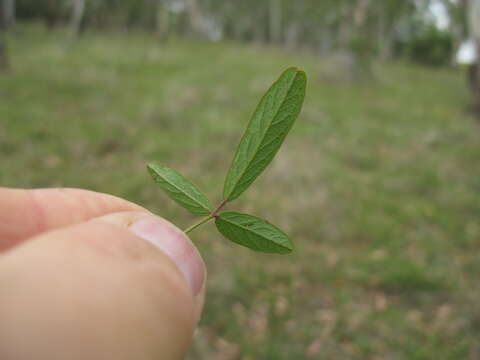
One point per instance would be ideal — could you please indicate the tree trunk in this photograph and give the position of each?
(8, 13)
(474, 81)
(4, 63)
(361, 45)
(162, 21)
(360, 14)
(51, 16)
(474, 73)
(78, 10)
(3, 52)
(195, 18)
(385, 36)
(293, 31)
(292, 36)
(344, 30)
(259, 33)
(275, 21)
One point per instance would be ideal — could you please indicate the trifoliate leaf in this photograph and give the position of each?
(252, 232)
(180, 189)
(268, 127)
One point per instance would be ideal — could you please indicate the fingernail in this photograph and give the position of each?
(174, 243)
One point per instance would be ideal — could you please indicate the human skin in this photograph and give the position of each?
(85, 275)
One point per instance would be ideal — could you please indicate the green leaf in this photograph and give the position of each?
(252, 232)
(180, 189)
(268, 127)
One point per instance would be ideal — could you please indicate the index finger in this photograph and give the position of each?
(25, 213)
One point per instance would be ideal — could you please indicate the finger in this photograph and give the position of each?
(25, 213)
(97, 290)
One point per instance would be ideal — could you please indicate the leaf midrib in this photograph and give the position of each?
(247, 165)
(254, 232)
(184, 193)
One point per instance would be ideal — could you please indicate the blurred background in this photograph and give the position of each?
(378, 183)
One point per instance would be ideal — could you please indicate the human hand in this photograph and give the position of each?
(78, 282)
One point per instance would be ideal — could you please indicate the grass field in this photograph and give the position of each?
(378, 185)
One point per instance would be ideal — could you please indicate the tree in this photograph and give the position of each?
(78, 10)
(162, 20)
(3, 53)
(4, 23)
(275, 20)
(196, 20)
(51, 12)
(474, 27)
(8, 13)
(458, 27)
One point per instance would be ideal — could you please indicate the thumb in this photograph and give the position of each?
(97, 290)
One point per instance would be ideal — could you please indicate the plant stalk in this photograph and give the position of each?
(198, 223)
(207, 218)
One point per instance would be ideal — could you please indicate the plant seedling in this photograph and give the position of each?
(265, 133)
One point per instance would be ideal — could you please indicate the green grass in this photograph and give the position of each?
(378, 184)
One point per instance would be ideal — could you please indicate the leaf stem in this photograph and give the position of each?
(214, 214)
(218, 208)
(198, 223)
